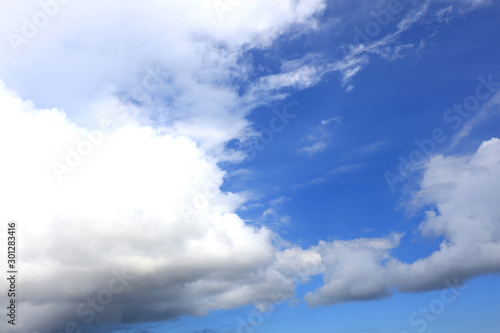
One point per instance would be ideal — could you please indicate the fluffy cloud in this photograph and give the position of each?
(139, 200)
(94, 50)
(142, 207)
(462, 196)
(117, 192)
(354, 270)
(127, 211)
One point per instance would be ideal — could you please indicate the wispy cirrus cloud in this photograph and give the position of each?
(490, 109)
(460, 196)
(385, 39)
(320, 137)
(331, 174)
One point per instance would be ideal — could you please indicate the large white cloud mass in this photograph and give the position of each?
(92, 203)
(180, 60)
(118, 190)
(112, 172)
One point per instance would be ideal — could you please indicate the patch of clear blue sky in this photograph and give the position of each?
(393, 103)
(474, 309)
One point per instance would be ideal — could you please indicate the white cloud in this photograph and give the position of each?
(299, 264)
(463, 196)
(314, 148)
(336, 119)
(273, 216)
(142, 200)
(280, 201)
(146, 198)
(354, 270)
(320, 137)
(123, 206)
(387, 44)
(460, 195)
(330, 174)
(198, 54)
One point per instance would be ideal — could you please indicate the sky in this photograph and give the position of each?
(237, 166)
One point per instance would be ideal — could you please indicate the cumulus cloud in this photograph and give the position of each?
(138, 200)
(181, 62)
(462, 197)
(117, 189)
(127, 211)
(354, 270)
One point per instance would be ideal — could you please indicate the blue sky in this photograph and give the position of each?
(232, 166)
